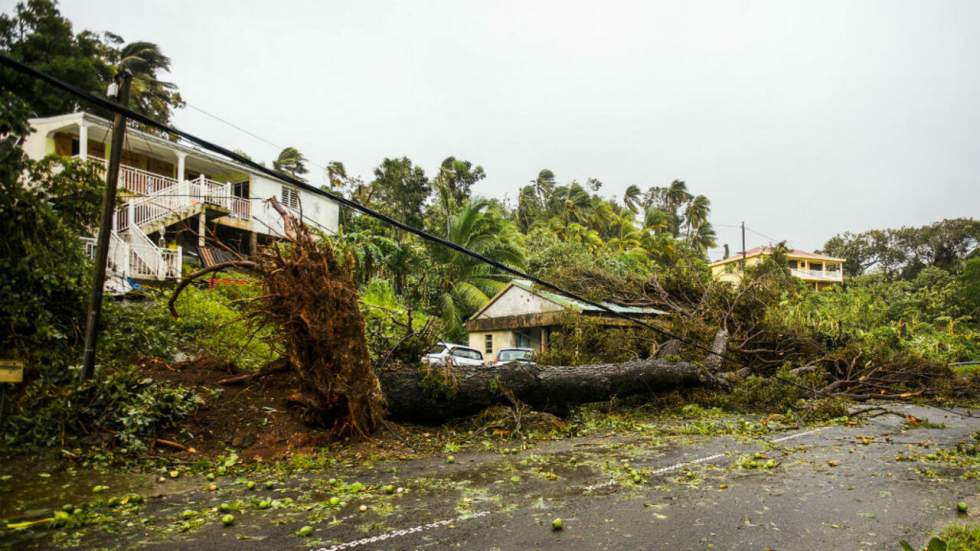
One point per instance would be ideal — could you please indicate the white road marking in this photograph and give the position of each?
(705, 459)
(797, 435)
(441, 523)
(402, 532)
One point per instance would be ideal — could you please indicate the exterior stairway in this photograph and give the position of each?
(154, 203)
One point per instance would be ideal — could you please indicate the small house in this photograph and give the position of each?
(525, 316)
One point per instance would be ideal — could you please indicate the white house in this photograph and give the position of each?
(174, 195)
(525, 316)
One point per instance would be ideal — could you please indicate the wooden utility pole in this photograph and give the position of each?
(122, 82)
(743, 246)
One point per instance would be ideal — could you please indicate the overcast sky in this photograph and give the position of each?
(804, 119)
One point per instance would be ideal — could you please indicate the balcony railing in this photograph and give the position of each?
(835, 275)
(142, 182)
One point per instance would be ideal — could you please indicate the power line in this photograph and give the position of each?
(247, 132)
(760, 234)
(127, 112)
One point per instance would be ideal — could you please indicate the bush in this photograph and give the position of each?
(55, 411)
(580, 340)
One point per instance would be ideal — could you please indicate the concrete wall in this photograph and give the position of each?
(501, 339)
(516, 301)
(506, 339)
(316, 208)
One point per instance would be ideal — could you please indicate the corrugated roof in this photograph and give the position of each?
(790, 252)
(568, 302)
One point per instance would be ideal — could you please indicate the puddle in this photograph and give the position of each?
(32, 486)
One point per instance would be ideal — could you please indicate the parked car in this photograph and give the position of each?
(510, 355)
(458, 354)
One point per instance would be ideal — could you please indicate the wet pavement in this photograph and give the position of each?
(832, 487)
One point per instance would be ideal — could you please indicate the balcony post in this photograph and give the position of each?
(201, 229)
(83, 140)
(181, 156)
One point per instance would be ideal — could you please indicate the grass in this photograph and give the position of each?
(962, 536)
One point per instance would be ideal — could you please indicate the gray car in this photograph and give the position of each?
(511, 355)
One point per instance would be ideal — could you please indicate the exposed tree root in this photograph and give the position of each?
(311, 300)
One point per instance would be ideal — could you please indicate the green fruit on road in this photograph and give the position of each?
(389, 489)
(264, 504)
(228, 520)
(250, 485)
(557, 524)
(210, 477)
(188, 514)
(304, 531)
(335, 501)
(269, 484)
(450, 459)
(962, 507)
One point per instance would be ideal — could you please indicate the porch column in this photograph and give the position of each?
(201, 229)
(83, 140)
(181, 156)
(253, 243)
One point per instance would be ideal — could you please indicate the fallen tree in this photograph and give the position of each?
(437, 393)
(310, 298)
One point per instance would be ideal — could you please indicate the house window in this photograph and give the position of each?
(290, 197)
(523, 341)
(488, 344)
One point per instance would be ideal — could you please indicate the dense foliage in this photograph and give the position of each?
(37, 34)
(903, 252)
(45, 207)
(910, 305)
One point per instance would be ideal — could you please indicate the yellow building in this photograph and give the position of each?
(818, 270)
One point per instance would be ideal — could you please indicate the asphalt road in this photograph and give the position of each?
(836, 487)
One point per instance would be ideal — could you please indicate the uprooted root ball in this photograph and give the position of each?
(311, 300)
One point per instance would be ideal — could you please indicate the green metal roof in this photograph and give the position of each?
(580, 306)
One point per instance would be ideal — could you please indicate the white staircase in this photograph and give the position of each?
(157, 202)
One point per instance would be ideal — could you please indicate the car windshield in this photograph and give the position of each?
(437, 349)
(514, 355)
(467, 353)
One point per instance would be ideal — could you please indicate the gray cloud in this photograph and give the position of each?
(803, 118)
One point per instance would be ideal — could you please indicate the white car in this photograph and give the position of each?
(511, 355)
(455, 353)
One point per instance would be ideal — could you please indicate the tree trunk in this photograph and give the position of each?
(442, 394)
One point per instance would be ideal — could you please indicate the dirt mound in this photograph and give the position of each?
(255, 417)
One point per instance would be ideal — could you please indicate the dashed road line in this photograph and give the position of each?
(403, 532)
(700, 460)
(441, 523)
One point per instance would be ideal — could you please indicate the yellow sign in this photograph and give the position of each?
(11, 371)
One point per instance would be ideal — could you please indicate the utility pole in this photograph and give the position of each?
(121, 87)
(743, 246)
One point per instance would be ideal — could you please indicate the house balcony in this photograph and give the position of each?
(817, 275)
(141, 182)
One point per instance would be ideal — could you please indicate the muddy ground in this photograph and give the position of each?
(715, 483)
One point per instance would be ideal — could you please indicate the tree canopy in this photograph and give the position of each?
(904, 252)
(37, 34)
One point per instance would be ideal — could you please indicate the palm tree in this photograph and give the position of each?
(696, 213)
(291, 161)
(703, 238)
(148, 94)
(632, 198)
(675, 196)
(467, 283)
(656, 219)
